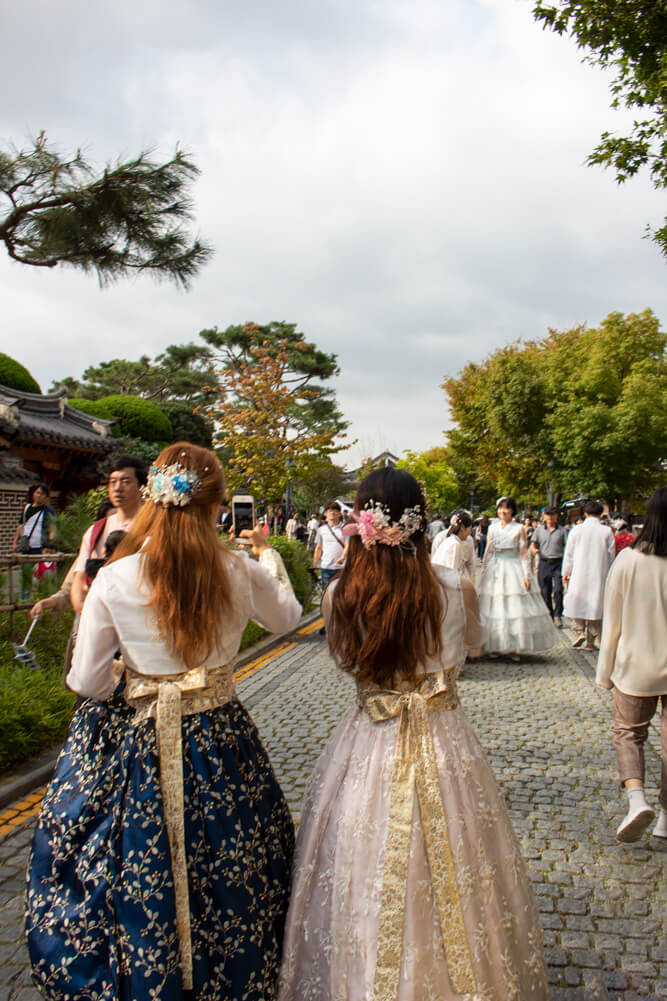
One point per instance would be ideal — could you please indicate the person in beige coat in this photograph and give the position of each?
(633, 661)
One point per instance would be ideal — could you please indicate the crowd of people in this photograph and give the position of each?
(164, 862)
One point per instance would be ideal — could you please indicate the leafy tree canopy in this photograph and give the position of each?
(433, 470)
(16, 376)
(273, 416)
(631, 38)
(584, 410)
(131, 217)
(180, 372)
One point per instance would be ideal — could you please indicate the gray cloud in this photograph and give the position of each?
(404, 180)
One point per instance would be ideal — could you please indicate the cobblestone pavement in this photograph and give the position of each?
(545, 728)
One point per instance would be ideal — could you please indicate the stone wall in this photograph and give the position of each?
(12, 501)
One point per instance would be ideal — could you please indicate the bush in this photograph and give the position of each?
(297, 562)
(134, 417)
(34, 707)
(14, 375)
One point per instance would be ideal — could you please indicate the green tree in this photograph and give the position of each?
(432, 468)
(128, 218)
(273, 414)
(583, 410)
(180, 372)
(630, 38)
(16, 376)
(316, 481)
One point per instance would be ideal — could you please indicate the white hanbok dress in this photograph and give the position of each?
(408, 882)
(517, 619)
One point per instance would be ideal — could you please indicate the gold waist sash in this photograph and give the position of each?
(414, 764)
(166, 699)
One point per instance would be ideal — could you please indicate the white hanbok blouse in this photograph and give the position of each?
(115, 617)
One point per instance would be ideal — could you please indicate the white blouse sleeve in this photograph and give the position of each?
(97, 641)
(272, 601)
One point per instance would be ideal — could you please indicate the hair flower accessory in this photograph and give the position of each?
(374, 525)
(171, 485)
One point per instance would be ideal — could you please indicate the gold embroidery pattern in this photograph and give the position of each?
(414, 764)
(167, 699)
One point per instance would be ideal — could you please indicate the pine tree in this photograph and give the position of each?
(130, 217)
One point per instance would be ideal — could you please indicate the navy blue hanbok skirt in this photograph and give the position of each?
(101, 913)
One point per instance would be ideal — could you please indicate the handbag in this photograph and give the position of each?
(24, 541)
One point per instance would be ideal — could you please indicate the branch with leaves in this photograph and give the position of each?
(129, 218)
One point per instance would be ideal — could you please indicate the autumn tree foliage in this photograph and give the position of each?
(580, 411)
(273, 416)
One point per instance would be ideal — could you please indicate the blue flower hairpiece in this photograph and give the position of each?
(172, 486)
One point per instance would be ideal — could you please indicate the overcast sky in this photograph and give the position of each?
(404, 179)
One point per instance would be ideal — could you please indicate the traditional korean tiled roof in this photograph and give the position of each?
(28, 418)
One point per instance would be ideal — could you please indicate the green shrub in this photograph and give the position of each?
(297, 561)
(16, 376)
(34, 707)
(134, 417)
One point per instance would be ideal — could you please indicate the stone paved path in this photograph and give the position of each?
(545, 728)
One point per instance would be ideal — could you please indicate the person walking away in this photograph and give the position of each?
(435, 526)
(633, 661)
(623, 537)
(329, 544)
(408, 882)
(548, 543)
(586, 561)
(482, 535)
(447, 547)
(160, 862)
(312, 527)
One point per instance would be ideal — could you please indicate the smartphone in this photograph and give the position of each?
(243, 515)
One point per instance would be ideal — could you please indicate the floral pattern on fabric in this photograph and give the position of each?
(101, 912)
(331, 939)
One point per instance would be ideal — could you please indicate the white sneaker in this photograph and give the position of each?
(634, 823)
(660, 829)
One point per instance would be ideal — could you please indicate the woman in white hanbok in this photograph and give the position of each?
(408, 881)
(509, 598)
(449, 549)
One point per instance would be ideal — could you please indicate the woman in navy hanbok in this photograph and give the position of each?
(160, 864)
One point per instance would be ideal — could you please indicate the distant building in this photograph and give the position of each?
(354, 476)
(43, 438)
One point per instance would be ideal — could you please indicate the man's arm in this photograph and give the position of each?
(78, 592)
(317, 554)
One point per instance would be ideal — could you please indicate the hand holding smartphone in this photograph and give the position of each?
(243, 516)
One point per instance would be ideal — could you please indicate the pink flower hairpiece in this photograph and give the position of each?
(374, 525)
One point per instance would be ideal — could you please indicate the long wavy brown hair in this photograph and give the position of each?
(184, 562)
(387, 605)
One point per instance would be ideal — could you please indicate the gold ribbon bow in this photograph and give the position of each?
(414, 763)
(167, 699)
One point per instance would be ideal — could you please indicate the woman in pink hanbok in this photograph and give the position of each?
(408, 882)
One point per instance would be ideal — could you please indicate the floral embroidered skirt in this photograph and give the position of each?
(101, 911)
